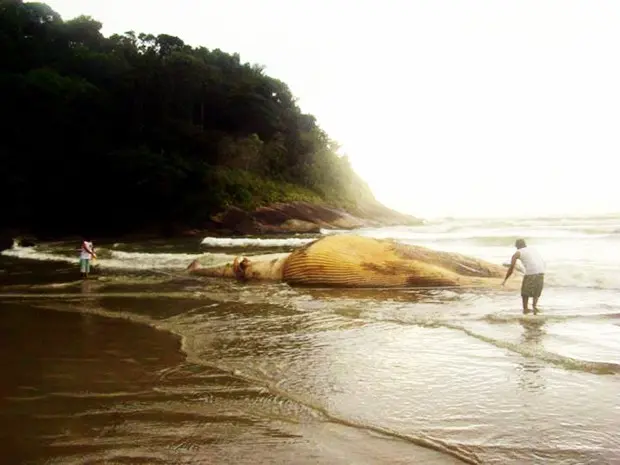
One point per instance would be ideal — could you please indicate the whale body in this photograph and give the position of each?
(353, 261)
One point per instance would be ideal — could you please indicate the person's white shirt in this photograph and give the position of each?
(532, 261)
(84, 255)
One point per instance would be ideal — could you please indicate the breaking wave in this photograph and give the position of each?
(121, 260)
(231, 242)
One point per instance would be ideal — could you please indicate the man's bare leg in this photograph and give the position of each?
(535, 305)
(525, 300)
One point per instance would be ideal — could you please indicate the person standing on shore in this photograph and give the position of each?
(534, 279)
(87, 252)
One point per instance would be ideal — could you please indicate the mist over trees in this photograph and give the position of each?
(135, 131)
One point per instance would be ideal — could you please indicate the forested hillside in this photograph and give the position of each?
(135, 131)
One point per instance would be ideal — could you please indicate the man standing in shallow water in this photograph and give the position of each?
(534, 278)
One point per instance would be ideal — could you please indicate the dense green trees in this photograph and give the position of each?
(136, 131)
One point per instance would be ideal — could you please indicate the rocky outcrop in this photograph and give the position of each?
(9, 238)
(6, 242)
(278, 218)
(304, 217)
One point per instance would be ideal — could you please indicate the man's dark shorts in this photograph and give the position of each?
(532, 285)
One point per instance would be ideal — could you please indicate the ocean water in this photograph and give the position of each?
(145, 364)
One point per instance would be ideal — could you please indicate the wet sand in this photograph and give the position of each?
(82, 388)
(68, 372)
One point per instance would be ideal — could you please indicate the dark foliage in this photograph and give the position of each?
(137, 131)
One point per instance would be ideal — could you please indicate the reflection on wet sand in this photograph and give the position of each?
(529, 368)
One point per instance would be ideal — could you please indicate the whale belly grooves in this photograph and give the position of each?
(355, 261)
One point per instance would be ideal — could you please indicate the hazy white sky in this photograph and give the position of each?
(461, 108)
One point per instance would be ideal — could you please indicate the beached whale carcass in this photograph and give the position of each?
(354, 261)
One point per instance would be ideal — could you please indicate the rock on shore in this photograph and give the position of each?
(303, 217)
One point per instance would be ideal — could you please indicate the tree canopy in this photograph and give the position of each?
(135, 130)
